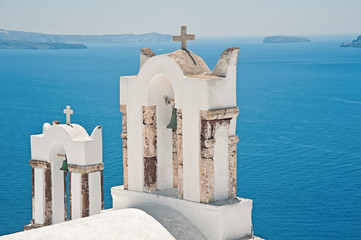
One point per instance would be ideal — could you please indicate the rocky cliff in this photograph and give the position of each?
(355, 43)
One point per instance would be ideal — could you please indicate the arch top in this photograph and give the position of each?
(193, 65)
(74, 131)
(80, 148)
(194, 84)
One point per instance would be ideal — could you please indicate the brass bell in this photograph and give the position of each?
(65, 166)
(173, 121)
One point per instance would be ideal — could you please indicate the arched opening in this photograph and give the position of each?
(60, 184)
(161, 89)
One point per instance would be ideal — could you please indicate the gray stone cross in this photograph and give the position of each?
(68, 112)
(184, 37)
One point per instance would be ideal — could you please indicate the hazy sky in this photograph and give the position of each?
(203, 17)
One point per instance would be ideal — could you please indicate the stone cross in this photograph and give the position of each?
(68, 112)
(184, 37)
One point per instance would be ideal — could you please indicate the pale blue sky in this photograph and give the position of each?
(205, 18)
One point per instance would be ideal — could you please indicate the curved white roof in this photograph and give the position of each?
(118, 224)
(190, 63)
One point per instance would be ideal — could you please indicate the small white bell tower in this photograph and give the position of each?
(65, 155)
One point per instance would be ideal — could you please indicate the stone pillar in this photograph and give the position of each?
(175, 158)
(48, 196)
(179, 139)
(33, 194)
(42, 197)
(207, 165)
(123, 109)
(150, 148)
(211, 121)
(85, 194)
(70, 212)
(233, 140)
(65, 198)
(82, 197)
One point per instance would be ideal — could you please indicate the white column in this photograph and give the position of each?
(221, 164)
(164, 148)
(135, 148)
(39, 195)
(95, 201)
(76, 199)
(57, 189)
(191, 154)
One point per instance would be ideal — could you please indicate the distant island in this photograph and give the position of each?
(355, 43)
(285, 39)
(56, 38)
(15, 44)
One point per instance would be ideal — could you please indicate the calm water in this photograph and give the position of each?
(299, 155)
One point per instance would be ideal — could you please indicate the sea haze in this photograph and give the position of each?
(299, 155)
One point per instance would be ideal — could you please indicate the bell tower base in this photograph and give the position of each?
(227, 219)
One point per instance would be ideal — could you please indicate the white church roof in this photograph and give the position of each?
(118, 224)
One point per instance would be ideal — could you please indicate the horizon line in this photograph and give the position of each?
(201, 36)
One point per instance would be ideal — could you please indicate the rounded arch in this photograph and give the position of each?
(159, 87)
(56, 149)
(72, 138)
(161, 67)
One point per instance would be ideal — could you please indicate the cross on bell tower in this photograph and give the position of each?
(68, 112)
(184, 37)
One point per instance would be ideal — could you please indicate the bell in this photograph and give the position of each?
(65, 166)
(173, 121)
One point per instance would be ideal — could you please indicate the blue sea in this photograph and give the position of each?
(299, 155)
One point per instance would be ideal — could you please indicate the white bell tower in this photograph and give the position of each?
(61, 152)
(192, 166)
